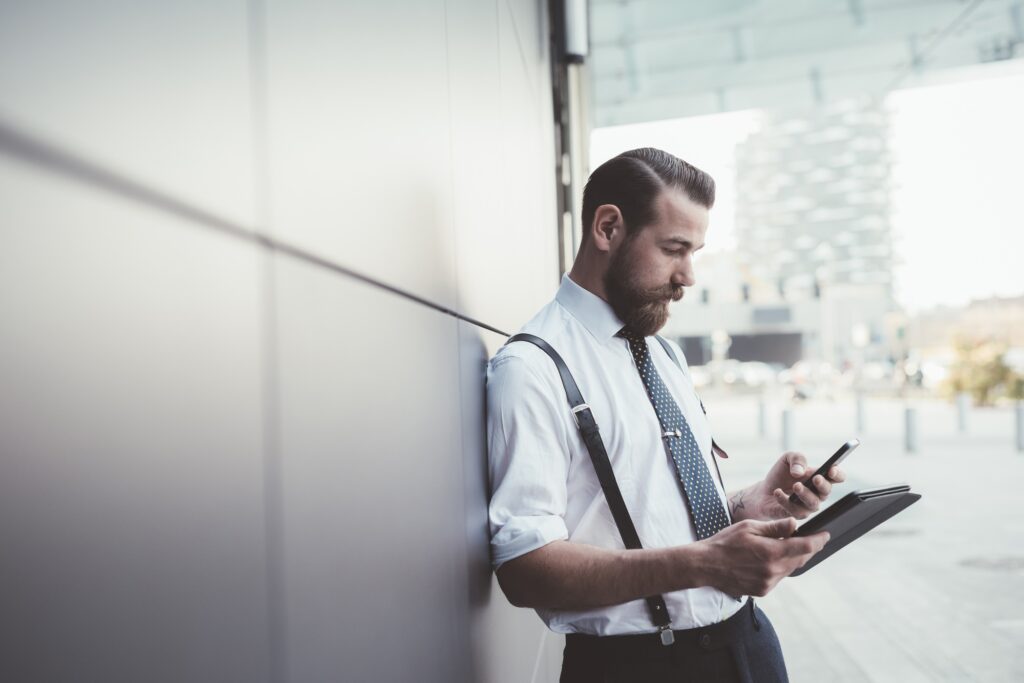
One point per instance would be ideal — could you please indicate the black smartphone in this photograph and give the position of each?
(836, 458)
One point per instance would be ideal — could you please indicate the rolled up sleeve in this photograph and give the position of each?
(528, 458)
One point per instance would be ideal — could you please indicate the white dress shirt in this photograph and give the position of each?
(544, 487)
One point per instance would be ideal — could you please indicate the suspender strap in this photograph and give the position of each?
(670, 352)
(599, 456)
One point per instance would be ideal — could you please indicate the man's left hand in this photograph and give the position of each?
(769, 499)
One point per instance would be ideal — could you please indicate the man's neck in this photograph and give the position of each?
(588, 276)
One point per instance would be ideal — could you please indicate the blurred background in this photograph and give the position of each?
(254, 256)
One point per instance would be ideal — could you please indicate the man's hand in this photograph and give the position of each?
(769, 499)
(746, 558)
(750, 558)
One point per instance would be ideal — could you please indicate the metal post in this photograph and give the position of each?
(762, 417)
(860, 413)
(1020, 426)
(963, 402)
(787, 429)
(910, 441)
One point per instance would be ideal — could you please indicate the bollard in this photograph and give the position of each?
(762, 417)
(963, 402)
(910, 442)
(860, 413)
(787, 429)
(1020, 426)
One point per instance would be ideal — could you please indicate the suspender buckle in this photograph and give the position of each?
(577, 409)
(665, 632)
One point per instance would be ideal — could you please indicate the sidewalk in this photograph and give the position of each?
(935, 594)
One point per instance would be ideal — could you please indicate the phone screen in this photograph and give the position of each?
(836, 458)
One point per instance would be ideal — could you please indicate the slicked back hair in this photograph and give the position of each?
(633, 180)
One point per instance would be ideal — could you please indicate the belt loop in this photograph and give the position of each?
(753, 615)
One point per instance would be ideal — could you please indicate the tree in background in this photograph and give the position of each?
(980, 369)
(1015, 387)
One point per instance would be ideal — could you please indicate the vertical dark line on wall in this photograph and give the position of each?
(272, 467)
(260, 105)
(559, 93)
(461, 641)
(453, 213)
(272, 474)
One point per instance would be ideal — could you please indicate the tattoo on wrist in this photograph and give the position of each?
(736, 503)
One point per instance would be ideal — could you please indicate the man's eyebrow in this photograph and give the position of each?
(680, 241)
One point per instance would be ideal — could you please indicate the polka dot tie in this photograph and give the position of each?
(706, 509)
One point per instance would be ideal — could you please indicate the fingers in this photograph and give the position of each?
(816, 542)
(762, 553)
(806, 545)
(822, 486)
(783, 508)
(836, 474)
(786, 508)
(810, 500)
(797, 464)
(777, 528)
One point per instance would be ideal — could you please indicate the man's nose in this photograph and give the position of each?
(684, 275)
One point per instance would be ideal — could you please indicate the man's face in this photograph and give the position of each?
(650, 268)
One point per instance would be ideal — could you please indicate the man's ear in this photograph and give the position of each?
(608, 227)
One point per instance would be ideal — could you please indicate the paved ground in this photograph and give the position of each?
(935, 594)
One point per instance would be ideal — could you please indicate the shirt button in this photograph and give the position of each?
(704, 641)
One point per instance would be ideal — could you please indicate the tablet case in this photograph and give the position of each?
(854, 515)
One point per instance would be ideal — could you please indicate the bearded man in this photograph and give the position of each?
(605, 516)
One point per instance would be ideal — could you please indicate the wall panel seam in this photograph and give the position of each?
(37, 153)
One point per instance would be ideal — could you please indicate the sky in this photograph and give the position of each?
(957, 183)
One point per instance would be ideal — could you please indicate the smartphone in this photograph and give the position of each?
(836, 458)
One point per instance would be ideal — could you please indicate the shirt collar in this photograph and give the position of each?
(592, 311)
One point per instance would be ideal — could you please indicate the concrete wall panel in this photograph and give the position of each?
(157, 92)
(131, 494)
(505, 197)
(222, 459)
(360, 138)
(372, 482)
(507, 643)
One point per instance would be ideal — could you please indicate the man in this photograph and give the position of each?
(555, 541)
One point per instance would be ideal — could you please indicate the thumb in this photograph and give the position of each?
(777, 528)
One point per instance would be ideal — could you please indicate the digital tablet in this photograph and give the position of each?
(854, 515)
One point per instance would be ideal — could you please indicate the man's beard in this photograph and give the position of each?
(644, 311)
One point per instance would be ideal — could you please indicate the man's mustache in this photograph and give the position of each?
(670, 291)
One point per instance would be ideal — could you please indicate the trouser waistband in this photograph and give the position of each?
(703, 638)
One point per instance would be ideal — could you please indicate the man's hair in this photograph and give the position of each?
(633, 180)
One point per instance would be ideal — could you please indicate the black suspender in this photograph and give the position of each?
(602, 466)
(599, 456)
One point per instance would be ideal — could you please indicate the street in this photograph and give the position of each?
(934, 594)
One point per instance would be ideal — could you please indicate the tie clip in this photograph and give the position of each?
(671, 432)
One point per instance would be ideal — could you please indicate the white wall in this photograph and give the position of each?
(248, 256)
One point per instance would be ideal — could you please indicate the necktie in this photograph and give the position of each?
(701, 495)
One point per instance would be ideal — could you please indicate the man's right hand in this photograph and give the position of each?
(751, 557)
(747, 558)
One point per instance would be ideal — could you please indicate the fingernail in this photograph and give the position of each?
(798, 469)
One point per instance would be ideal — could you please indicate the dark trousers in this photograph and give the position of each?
(743, 648)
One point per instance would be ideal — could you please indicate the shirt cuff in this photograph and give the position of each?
(521, 535)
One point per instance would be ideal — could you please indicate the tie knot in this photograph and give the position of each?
(632, 337)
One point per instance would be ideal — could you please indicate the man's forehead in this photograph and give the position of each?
(680, 216)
